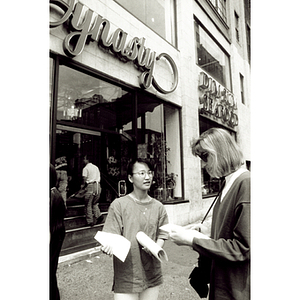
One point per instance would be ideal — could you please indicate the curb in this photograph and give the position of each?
(78, 256)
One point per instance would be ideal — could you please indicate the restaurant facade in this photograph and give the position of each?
(142, 79)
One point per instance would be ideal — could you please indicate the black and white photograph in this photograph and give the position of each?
(152, 146)
(150, 114)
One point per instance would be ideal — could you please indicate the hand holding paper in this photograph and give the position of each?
(186, 236)
(151, 246)
(107, 249)
(115, 243)
(199, 227)
(171, 227)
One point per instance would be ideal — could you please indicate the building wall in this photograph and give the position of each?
(186, 94)
(240, 65)
(197, 207)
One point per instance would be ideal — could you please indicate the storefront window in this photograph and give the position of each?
(172, 133)
(87, 100)
(159, 141)
(211, 58)
(93, 117)
(159, 15)
(100, 119)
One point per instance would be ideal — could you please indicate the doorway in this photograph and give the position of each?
(109, 152)
(90, 116)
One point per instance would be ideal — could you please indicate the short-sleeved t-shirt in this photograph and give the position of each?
(126, 217)
(91, 172)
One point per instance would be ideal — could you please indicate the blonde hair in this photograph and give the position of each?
(226, 155)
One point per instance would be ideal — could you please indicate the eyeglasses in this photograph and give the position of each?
(203, 156)
(143, 173)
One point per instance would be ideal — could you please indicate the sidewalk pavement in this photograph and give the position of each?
(90, 276)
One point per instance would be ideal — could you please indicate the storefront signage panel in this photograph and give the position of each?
(216, 101)
(84, 27)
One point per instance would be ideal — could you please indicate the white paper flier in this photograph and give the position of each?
(177, 228)
(148, 243)
(171, 227)
(120, 245)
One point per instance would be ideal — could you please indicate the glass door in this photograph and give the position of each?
(109, 152)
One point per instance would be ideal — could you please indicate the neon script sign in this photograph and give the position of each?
(216, 101)
(84, 28)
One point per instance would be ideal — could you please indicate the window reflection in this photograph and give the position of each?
(83, 99)
(159, 141)
(96, 117)
(173, 180)
(220, 6)
(211, 58)
(159, 15)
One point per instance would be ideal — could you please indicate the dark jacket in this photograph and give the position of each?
(229, 246)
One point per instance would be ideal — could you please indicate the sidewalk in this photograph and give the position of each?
(90, 277)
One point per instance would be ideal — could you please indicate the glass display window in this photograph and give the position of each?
(113, 125)
(159, 15)
(90, 116)
(159, 141)
(86, 100)
(211, 57)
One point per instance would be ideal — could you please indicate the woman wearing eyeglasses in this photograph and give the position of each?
(140, 275)
(226, 249)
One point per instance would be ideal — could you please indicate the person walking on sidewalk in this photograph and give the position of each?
(226, 250)
(140, 276)
(91, 184)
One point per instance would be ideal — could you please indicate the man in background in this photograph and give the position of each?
(91, 183)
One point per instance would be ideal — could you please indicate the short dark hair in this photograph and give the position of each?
(141, 161)
(87, 157)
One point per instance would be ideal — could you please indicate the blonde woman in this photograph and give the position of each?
(226, 249)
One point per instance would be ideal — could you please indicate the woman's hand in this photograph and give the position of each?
(107, 249)
(186, 237)
(199, 227)
(183, 237)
